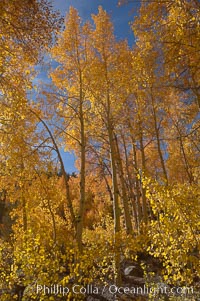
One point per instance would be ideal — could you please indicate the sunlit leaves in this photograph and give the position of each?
(174, 231)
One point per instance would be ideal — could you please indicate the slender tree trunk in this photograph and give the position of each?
(23, 199)
(82, 174)
(185, 160)
(143, 190)
(116, 209)
(128, 223)
(114, 181)
(137, 184)
(24, 213)
(130, 186)
(158, 140)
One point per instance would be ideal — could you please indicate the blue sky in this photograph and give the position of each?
(120, 16)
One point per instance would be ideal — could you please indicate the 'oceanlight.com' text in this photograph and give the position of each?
(56, 289)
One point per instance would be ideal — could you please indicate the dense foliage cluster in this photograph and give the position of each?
(130, 115)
